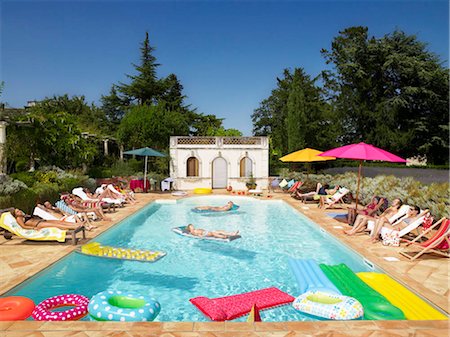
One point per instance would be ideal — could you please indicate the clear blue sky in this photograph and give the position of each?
(227, 54)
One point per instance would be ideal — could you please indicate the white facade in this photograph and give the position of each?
(218, 162)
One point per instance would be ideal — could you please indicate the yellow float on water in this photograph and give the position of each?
(96, 249)
(412, 306)
(202, 190)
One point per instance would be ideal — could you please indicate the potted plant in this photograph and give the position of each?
(251, 183)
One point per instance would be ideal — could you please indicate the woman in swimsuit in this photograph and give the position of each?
(369, 209)
(204, 233)
(361, 221)
(412, 215)
(227, 207)
(30, 222)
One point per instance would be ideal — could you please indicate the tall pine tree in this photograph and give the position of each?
(145, 88)
(296, 117)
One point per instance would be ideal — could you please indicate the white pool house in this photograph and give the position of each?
(218, 162)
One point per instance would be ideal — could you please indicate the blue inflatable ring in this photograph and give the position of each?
(123, 306)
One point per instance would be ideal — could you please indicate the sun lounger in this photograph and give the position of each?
(392, 236)
(9, 223)
(336, 197)
(67, 210)
(439, 243)
(401, 212)
(42, 213)
(78, 191)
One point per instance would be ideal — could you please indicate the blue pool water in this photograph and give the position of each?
(271, 232)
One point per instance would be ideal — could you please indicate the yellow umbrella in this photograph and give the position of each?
(305, 155)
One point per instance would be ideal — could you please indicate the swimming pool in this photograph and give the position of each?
(271, 232)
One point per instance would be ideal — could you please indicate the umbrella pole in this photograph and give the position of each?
(357, 189)
(145, 174)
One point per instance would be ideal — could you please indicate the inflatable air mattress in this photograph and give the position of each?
(412, 306)
(376, 306)
(209, 211)
(182, 231)
(234, 306)
(310, 277)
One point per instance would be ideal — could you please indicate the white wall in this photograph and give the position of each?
(182, 148)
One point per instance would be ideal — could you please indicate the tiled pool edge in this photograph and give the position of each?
(229, 329)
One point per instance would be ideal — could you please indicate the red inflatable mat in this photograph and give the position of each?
(230, 307)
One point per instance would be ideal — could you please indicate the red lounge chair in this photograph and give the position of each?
(439, 243)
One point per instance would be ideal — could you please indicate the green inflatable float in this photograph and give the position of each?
(376, 306)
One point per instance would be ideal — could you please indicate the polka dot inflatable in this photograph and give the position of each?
(328, 305)
(123, 306)
(43, 312)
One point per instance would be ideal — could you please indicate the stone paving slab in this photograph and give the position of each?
(21, 259)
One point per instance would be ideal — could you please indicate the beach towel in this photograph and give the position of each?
(8, 222)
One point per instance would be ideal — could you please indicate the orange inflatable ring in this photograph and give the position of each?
(15, 308)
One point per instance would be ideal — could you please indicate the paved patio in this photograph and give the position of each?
(428, 276)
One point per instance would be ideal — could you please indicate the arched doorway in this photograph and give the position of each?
(219, 173)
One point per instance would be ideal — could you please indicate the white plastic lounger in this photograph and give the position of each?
(49, 216)
(78, 191)
(182, 231)
(401, 212)
(408, 229)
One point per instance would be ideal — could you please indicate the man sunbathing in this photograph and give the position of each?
(227, 207)
(204, 233)
(33, 222)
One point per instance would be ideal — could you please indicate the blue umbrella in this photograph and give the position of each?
(147, 152)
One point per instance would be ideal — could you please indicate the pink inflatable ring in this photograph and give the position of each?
(43, 312)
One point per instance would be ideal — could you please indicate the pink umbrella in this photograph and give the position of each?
(362, 151)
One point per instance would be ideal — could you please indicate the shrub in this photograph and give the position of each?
(21, 166)
(9, 186)
(435, 197)
(124, 168)
(27, 178)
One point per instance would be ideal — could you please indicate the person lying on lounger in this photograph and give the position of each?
(321, 190)
(227, 207)
(412, 215)
(33, 222)
(204, 233)
(60, 215)
(360, 224)
(76, 204)
(369, 209)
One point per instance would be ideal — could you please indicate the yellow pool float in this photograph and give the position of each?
(202, 190)
(412, 306)
(96, 249)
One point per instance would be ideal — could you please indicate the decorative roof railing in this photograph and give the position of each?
(183, 141)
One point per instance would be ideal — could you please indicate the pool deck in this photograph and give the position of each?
(428, 276)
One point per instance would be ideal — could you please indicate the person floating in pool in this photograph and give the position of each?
(225, 208)
(204, 233)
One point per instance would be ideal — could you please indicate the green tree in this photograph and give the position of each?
(53, 138)
(89, 118)
(114, 108)
(296, 123)
(391, 92)
(151, 125)
(145, 88)
(295, 115)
